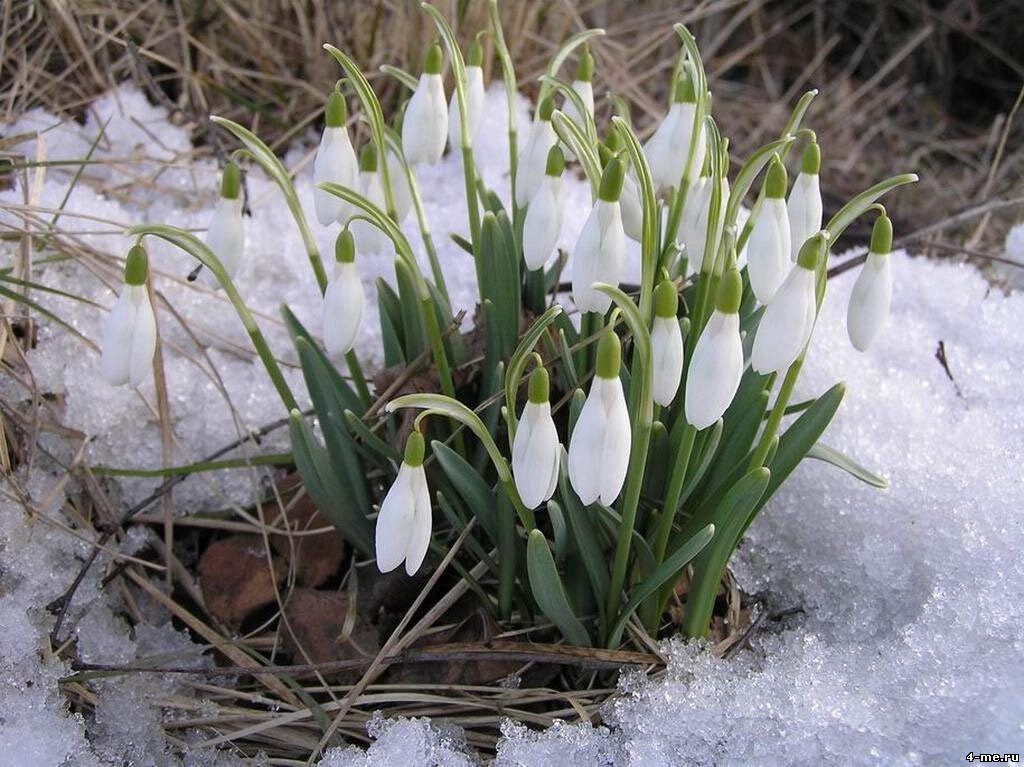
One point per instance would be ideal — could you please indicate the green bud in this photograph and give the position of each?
(881, 236)
(556, 162)
(434, 60)
(604, 154)
(415, 449)
(539, 386)
(336, 111)
(475, 57)
(585, 68)
(811, 162)
(685, 93)
(231, 182)
(613, 139)
(811, 251)
(136, 266)
(666, 299)
(368, 159)
(611, 181)
(345, 247)
(775, 181)
(547, 106)
(730, 292)
(609, 355)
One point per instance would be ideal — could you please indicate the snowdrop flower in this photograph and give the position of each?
(425, 126)
(536, 451)
(629, 201)
(787, 322)
(599, 250)
(370, 239)
(225, 235)
(543, 221)
(599, 447)
(404, 522)
(666, 344)
(474, 100)
(805, 201)
(872, 293)
(335, 162)
(768, 249)
(129, 336)
(584, 88)
(693, 229)
(533, 157)
(401, 193)
(667, 150)
(343, 299)
(717, 363)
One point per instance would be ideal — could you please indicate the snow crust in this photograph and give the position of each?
(910, 645)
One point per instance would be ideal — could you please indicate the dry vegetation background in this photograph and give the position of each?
(920, 85)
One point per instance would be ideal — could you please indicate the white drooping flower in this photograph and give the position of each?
(225, 235)
(632, 209)
(768, 248)
(129, 335)
(788, 319)
(369, 239)
(805, 209)
(543, 223)
(533, 157)
(425, 125)
(716, 366)
(693, 229)
(599, 446)
(868, 310)
(668, 148)
(666, 344)
(400, 189)
(335, 162)
(536, 451)
(599, 251)
(404, 522)
(343, 299)
(474, 100)
(584, 88)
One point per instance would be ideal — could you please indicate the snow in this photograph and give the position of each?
(908, 649)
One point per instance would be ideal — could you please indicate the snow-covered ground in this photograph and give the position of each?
(910, 646)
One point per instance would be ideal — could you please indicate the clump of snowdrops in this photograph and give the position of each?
(586, 468)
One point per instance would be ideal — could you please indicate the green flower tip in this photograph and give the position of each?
(685, 93)
(368, 159)
(585, 68)
(539, 386)
(231, 182)
(336, 111)
(881, 235)
(811, 251)
(475, 57)
(434, 60)
(775, 182)
(556, 162)
(730, 292)
(136, 265)
(611, 181)
(345, 247)
(666, 299)
(547, 106)
(414, 449)
(609, 355)
(811, 162)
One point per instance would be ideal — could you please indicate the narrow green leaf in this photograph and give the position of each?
(412, 316)
(406, 79)
(563, 53)
(369, 439)
(478, 497)
(549, 592)
(847, 214)
(830, 455)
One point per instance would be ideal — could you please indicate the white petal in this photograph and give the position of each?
(768, 249)
(395, 521)
(474, 108)
(225, 236)
(585, 90)
(585, 266)
(615, 451)
(786, 324)
(343, 309)
(425, 125)
(658, 151)
(611, 252)
(115, 363)
(667, 349)
(422, 522)
(586, 445)
(543, 223)
(534, 451)
(368, 238)
(805, 211)
(335, 162)
(143, 336)
(869, 302)
(533, 160)
(715, 370)
(632, 209)
(399, 187)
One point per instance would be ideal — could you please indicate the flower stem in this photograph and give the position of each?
(356, 371)
(778, 410)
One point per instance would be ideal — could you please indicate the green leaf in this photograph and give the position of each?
(406, 79)
(389, 311)
(563, 53)
(580, 525)
(462, 242)
(573, 136)
(369, 439)
(458, 525)
(478, 497)
(847, 214)
(830, 455)
(323, 366)
(549, 592)
(559, 529)
(707, 457)
(412, 316)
